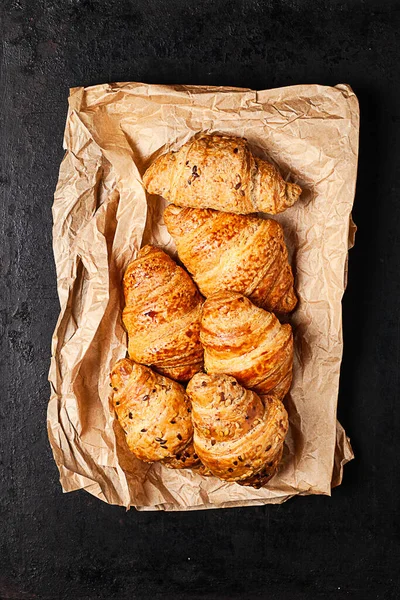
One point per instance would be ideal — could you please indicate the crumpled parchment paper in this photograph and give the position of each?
(101, 218)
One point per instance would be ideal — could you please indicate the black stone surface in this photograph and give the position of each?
(55, 546)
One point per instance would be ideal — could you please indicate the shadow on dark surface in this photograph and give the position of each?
(363, 265)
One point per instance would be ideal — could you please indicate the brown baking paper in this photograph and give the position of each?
(101, 218)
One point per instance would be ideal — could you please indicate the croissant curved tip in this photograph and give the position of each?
(287, 304)
(157, 178)
(293, 192)
(149, 249)
(123, 365)
(171, 212)
(199, 385)
(148, 176)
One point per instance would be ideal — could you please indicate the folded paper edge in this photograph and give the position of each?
(343, 452)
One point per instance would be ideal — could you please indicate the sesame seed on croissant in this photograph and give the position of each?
(154, 411)
(187, 459)
(237, 435)
(219, 171)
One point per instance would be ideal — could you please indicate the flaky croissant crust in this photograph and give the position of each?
(238, 436)
(247, 342)
(241, 253)
(162, 315)
(220, 172)
(154, 411)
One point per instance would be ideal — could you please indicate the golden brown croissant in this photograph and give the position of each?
(162, 315)
(237, 436)
(154, 411)
(247, 342)
(242, 253)
(219, 171)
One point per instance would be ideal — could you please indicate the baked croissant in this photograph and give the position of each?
(154, 411)
(219, 171)
(162, 315)
(242, 253)
(238, 436)
(247, 342)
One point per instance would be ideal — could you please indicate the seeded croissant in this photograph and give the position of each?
(154, 412)
(238, 436)
(248, 343)
(242, 253)
(219, 171)
(162, 315)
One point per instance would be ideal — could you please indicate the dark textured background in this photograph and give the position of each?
(55, 546)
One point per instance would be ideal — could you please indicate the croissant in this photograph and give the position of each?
(237, 436)
(162, 315)
(242, 253)
(219, 171)
(154, 411)
(248, 343)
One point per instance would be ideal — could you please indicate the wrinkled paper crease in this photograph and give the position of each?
(102, 217)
